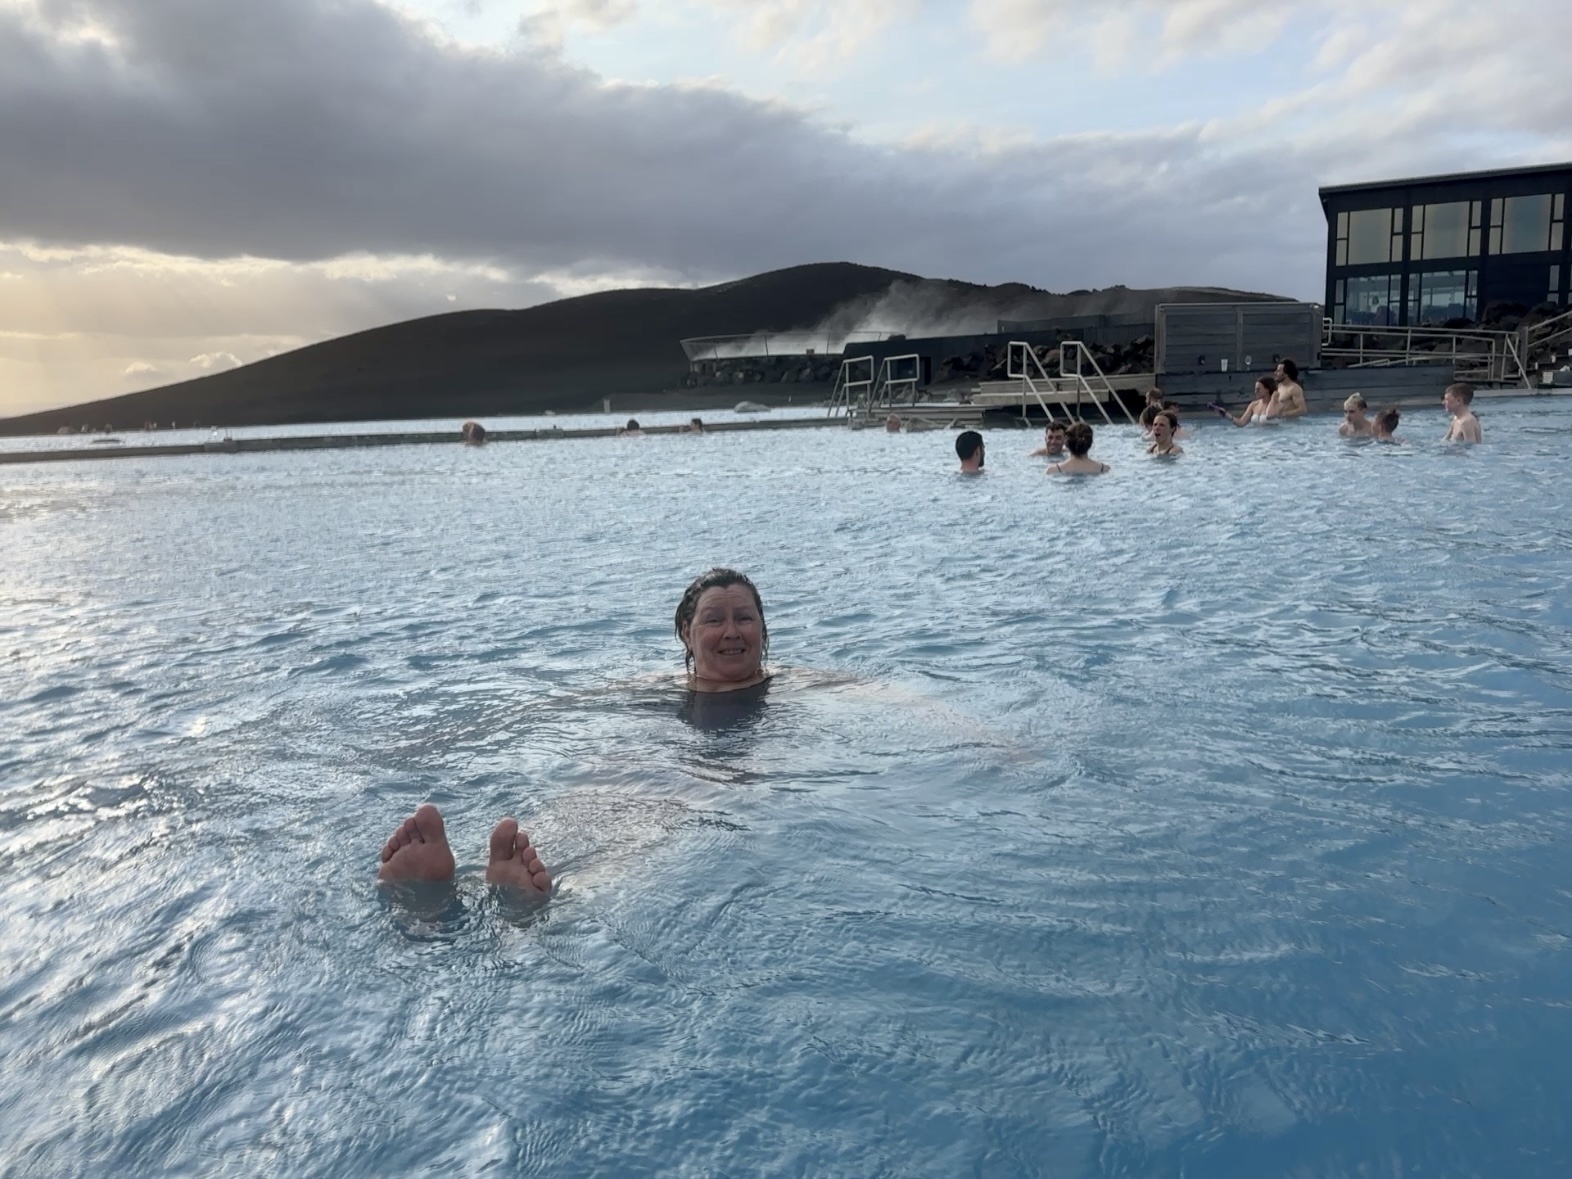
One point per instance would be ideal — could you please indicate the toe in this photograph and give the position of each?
(502, 839)
(427, 824)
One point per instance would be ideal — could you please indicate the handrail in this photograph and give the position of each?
(884, 384)
(1026, 380)
(1371, 345)
(1536, 339)
(1082, 355)
(847, 386)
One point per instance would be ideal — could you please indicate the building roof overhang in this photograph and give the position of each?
(1329, 190)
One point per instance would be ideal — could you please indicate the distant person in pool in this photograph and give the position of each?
(694, 426)
(720, 623)
(1078, 440)
(1386, 425)
(632, 429)
(418, 852)
(1164, 426)
(969, 449)
(1053, 442)
(892, 424)
(1459, 401)
(473, 433)
(1290, 399)
(1154, 404)
(1259, 411)
(1355, 424)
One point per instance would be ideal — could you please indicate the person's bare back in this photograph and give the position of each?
(1464, 427)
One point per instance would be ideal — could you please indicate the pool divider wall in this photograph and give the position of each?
(349, 441)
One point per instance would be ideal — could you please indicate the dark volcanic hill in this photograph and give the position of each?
(568, 354)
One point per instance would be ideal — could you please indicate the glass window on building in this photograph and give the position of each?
(1444, 231)
(1370, 299)
(1372, 236)
(1521, 225)
(1442, 295)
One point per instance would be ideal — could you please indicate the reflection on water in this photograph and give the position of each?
(1201, 819)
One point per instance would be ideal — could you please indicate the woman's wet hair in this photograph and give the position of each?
(1168, 416)
(1267, 383)
(1148, 413)
(717, 578)
(1078, 439)
(1387, 419)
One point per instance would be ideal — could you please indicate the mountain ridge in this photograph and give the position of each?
(568, 354)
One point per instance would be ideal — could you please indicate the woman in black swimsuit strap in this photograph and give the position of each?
(1164, 425)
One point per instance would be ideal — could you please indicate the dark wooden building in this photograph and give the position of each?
(1438, 248)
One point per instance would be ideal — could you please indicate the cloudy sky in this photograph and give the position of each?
(190, 184)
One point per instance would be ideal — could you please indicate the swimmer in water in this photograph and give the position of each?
(1385, 425)
(694, 426)
(632, 429)
(1053, 442)
(1259, 411)
(1290, 399)
(1164, 426)
(1078, 440)
(1459, 400)
(969, 449)
(892, 424)
(1355, 424)
(720, 623)
(1154, 404)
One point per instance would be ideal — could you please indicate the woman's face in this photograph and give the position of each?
(726, 635)
(1162, 430)
(1260, 392)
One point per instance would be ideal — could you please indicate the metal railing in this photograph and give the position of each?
(893, 382)
(1082, 357)
(853, 387)
(769, 345)
(1479, 355)
(1539, 342)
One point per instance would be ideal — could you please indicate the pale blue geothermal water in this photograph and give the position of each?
(1211, 818)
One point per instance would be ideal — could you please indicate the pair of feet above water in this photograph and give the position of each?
(418, 852)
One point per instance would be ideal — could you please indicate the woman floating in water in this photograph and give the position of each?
(720, 623)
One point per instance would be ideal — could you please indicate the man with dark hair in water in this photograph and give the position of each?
(969, 449)
(1289, 401)
(1053, 441)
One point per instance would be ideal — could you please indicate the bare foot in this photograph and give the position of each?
(418, 850)
(514, 863)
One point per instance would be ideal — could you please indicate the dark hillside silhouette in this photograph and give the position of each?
(561, 356)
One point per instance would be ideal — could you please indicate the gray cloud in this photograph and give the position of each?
(300, 130)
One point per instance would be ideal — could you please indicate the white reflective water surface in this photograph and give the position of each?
(1208, 818)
